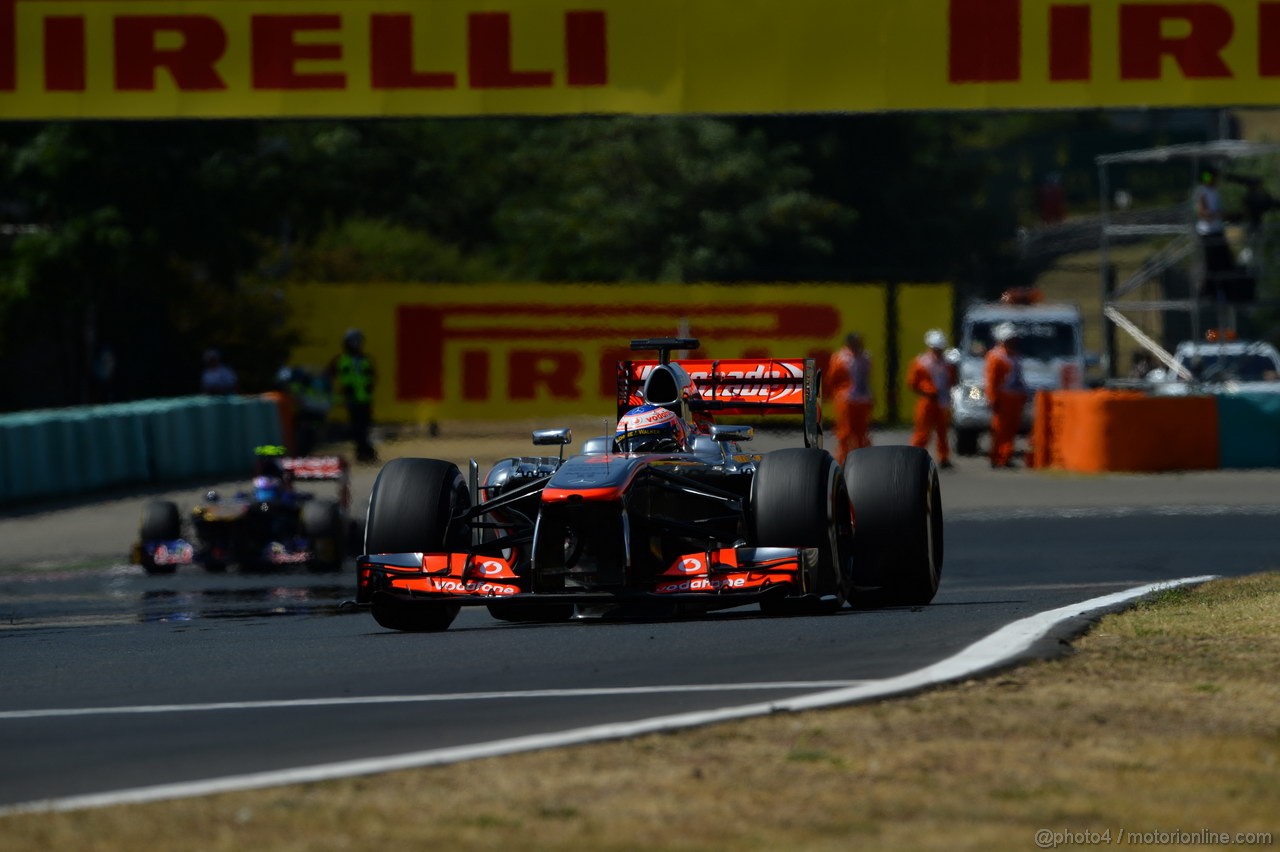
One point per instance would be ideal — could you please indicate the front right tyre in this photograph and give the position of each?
(799, 500)
(417, 506)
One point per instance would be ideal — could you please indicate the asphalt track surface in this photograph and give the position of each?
(113, 680)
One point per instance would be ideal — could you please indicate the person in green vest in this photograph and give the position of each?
(352, 376)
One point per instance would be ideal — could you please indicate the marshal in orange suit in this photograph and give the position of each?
(849, 378)
(1007, 393)
(931, 378)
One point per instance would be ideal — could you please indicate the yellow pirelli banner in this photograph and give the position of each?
(229, 58)
(518, 351)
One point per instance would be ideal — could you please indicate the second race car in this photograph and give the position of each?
(270, 524)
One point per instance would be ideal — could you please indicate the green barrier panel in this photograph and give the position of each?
(74, 451)
(1249, 429)
(67, 451)
(124, 457)
(29, 456)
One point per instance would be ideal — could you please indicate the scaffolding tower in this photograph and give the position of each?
(1183, 247)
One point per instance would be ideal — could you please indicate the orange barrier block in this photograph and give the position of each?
(284, 404)
(1096, 431)
(1041, 455)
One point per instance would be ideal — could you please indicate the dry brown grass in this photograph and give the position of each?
(1163, 720)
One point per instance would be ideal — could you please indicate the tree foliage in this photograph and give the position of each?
(155, 240)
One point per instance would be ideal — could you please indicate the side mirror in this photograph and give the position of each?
(551, 437)
(732, 433)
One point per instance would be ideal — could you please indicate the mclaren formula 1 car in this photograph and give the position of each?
(268, 525)
(669, 515)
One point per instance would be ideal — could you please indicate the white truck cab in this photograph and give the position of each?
(1051, 343)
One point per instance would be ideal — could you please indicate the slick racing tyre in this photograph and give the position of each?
(799, 500)
(160, 522)
(325, 529)
(417, 506)
(897, 549)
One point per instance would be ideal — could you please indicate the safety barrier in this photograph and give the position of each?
(1096, 431)
(69, 451)
(1249, 429)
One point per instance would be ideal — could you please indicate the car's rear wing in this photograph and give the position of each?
(736, 386)
(320, 468)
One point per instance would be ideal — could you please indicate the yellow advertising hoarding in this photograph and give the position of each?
(518, 351)
(920, 308)
(235, 58)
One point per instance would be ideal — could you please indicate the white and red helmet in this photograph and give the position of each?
(650, 429)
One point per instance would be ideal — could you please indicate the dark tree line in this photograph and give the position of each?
(139, 244)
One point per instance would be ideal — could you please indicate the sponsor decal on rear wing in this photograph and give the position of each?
(321, 469)
(739, 386)
(316, 467)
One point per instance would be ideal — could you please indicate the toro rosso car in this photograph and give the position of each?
(268, 525)
(668, 515)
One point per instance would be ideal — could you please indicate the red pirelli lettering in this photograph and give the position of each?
(986, 41)
(192, 65)
(558, 371)
(8, 45)
(1070, 43)
(489, 55)
(586, 49)
(64, 60)
(277, 52)
(1269, 39)
(1143, 42)
(475, 375)
(391, 57)
(424, 335)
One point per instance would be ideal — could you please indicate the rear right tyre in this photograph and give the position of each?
(897, 502)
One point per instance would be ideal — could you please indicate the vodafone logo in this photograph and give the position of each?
(492, 569)
(702, 584)
(472, 587)
(692, 565)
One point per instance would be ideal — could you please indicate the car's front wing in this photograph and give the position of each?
(743, 573)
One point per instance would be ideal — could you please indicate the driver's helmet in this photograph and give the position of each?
(268, 489)
(650, 429)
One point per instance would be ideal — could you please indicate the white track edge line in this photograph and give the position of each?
(998, 648)
(442, 697)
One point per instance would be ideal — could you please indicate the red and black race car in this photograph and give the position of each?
(669, 515)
